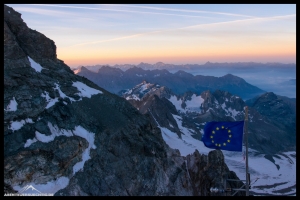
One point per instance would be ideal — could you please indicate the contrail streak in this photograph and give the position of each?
(241, 20)
(182, 10)
(187, 27)
(115, 10)
(114, 39)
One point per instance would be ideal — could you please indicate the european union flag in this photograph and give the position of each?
(224, 135)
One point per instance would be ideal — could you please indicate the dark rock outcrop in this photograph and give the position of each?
(209, 171)
(277, 109)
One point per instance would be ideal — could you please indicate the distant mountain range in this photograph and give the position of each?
(161, 65)
(289, 82)
(115, 80)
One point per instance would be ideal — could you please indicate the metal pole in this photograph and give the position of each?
(237, 190)
(246, 141)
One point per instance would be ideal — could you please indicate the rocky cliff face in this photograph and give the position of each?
(202, 168)
(65, 135)
(277, 109)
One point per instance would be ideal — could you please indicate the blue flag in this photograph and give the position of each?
(224, 135)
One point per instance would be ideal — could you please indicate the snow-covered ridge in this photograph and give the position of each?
(140, 90)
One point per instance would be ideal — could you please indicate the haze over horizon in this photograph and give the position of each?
(160, 62)
(95, 34)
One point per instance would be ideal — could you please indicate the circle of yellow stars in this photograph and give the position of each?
(213, 133)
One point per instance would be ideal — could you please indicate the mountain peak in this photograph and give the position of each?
(81, 69)
(231, 77)
(159, 64)
(41, 48)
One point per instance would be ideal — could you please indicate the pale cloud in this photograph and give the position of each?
(67, 16)
(41, 11)
(243, 21)
(115, 39)
(182, 10)
(117, 10)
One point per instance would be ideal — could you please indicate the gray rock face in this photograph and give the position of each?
(276, 109)
(208, 172)
(32, 43)
(98, 143)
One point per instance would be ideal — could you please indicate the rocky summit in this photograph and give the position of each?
(64, 135)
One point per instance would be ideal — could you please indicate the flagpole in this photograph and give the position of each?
(246, 141)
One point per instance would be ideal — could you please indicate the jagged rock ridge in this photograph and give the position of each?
(65, 132)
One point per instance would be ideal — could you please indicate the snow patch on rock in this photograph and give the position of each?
(176, 102)
(35, 65)
(84, 90)
(55, 132)
(16, 125)
(12, 106)
(134, 97)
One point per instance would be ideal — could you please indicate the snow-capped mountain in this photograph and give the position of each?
(182, 120)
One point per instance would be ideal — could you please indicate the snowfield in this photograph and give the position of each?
(192, 105)
(265, 177)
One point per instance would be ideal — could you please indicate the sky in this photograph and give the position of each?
(91, 34)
